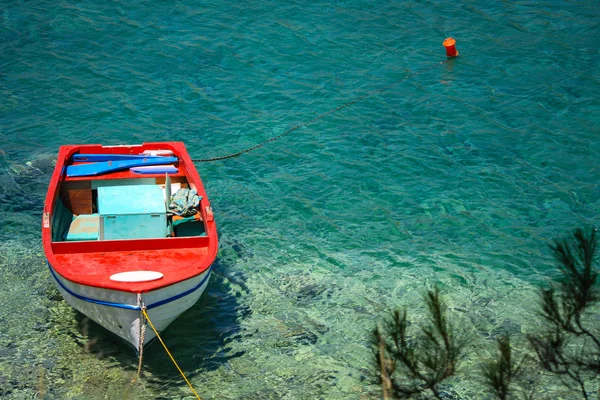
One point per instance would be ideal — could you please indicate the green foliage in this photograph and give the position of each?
(500, 374)
(409, 368)
(568, 345)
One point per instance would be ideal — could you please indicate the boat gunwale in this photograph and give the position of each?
(128, 245)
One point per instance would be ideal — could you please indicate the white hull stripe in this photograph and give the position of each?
(129, 306)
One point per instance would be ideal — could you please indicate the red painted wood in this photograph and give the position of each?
(95, 269)
(92, 262)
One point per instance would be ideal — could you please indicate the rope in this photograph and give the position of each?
(169, 353)
(141, 348)
(321, 116)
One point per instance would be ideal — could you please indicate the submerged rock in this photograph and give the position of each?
(309, 291)
(233, 249)
(40, 166)
(23, 185)
(297, 338)
(507, 327)
(304, 288)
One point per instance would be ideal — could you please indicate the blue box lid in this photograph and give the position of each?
(131, 199)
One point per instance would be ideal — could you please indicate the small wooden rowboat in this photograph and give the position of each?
(117, 240)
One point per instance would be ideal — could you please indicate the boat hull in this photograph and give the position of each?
(113, 245)
(120, 312)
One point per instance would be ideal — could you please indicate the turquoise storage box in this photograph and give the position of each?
(132, 212)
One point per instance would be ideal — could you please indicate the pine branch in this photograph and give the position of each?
(423, 364)
(500, 373)
(564, 308)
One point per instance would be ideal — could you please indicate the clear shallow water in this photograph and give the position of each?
(459, 176)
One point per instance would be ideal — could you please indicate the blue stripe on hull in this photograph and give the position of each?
(129, 306)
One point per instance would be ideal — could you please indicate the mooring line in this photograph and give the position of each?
(321, 116)
(169, 353)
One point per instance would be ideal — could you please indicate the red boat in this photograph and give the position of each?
(127, 228)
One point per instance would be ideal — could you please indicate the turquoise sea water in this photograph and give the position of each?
(458, 176)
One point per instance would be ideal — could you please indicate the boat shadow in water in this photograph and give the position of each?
(198, 339)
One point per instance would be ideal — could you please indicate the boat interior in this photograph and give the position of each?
(93, 209)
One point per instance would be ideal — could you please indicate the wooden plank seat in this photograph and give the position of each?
(84, 227)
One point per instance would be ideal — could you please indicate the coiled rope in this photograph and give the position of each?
(321, 116)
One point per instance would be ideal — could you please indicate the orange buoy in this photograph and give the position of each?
(450, 45)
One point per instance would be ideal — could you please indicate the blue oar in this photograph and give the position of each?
(108, 157)
(98, 168)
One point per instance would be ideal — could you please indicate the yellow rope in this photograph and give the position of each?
(167, 350)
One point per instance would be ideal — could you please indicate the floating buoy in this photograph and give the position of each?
(450, 45)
